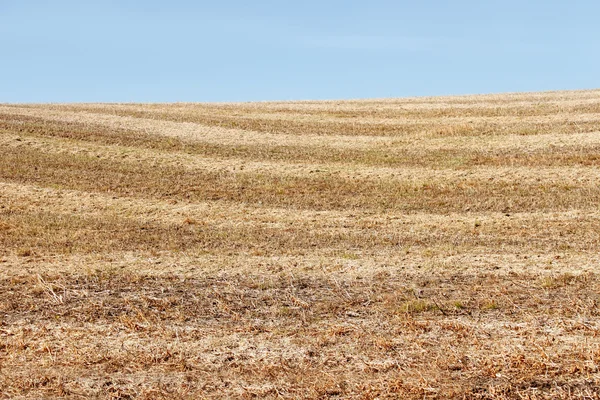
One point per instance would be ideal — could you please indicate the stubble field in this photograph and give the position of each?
(399, 248)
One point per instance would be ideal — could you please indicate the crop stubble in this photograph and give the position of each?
(394, 248)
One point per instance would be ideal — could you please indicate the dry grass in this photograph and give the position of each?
(401, 248)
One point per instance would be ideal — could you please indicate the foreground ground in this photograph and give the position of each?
(410, 248)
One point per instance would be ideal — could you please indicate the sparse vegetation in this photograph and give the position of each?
(405, 248)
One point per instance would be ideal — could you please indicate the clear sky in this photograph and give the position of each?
(184, 50)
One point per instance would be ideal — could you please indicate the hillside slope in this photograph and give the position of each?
(426, 247)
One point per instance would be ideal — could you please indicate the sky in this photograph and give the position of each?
(228, 50)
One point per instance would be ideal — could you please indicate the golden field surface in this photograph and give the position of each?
(400, 248)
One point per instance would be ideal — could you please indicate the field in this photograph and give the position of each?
(399, 248)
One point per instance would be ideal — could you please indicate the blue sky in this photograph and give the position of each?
(183, 50)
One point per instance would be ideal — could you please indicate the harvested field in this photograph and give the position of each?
(397, 248)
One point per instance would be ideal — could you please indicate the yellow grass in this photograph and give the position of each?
(392, 248)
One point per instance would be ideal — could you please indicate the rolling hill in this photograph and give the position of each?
(398, 248)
